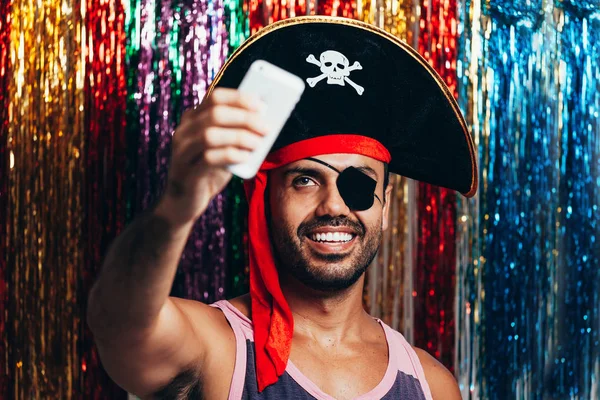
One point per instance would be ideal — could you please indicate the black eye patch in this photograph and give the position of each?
(356, 188)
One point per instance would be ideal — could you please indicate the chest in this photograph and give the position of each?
(344, 372)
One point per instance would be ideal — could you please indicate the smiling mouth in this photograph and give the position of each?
(331, 237)
(328, 244)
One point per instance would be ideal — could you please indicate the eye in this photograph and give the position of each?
(304, 181)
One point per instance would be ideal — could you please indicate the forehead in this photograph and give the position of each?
(339, 161)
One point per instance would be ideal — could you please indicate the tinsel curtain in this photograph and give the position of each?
(503, 288)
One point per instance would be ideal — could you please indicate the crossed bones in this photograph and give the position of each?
(313, 81)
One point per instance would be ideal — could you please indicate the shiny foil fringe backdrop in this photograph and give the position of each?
(527, 284)
(528, 254)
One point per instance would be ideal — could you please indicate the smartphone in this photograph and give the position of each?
(280, 91)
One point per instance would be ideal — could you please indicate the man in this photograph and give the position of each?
(317, 209)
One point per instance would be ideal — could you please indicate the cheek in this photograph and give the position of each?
(288, 212)
(371, 221)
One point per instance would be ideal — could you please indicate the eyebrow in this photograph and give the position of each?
(368, 170)
(315, 173)
(312, 172)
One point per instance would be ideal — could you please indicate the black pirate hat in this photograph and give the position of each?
(362, 80)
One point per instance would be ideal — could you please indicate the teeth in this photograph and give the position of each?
(332, 237)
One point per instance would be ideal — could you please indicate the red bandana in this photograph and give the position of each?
(271, 315)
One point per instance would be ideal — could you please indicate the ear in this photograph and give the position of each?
(386, 205)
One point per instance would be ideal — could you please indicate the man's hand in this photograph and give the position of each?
(223, 130)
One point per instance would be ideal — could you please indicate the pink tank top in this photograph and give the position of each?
(404, 377)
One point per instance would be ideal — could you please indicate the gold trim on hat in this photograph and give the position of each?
(373, 29)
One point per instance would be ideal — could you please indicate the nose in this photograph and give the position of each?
(332, 203)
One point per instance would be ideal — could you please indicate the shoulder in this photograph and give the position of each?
(244, 304)
(441, 382)
(200, 315)
(212, 332)
(209, 326)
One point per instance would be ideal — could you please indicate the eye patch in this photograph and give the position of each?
(356, 188)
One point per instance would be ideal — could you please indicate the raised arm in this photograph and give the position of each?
(145, 338)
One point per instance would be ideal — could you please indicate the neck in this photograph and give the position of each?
(325, 316)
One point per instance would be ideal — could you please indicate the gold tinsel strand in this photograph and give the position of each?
(46, 175)
(388, 288)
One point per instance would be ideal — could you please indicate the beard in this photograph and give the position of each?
(324, 272)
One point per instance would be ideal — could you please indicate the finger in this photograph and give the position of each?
(220, 137)
(232, 98)
(225, 156)
(223, 96)
(231, 117)
(192, 150)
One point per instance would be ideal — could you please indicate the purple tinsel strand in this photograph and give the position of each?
(203, 261)
(144, 95)
(164, 124)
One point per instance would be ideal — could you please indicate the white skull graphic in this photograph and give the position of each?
(335, 66)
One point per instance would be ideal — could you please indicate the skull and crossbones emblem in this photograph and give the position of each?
(336, 68)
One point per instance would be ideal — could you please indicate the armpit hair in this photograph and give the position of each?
(185, 386)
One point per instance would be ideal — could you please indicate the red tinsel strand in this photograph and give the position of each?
(338, 8)
(436, 255)
(265, 12)
(103, 202)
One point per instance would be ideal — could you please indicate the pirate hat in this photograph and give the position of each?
(368, 93)
(363, 80)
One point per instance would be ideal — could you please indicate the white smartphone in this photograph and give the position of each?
(280, 90)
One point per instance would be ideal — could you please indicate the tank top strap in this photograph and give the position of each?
(242, 329)
(407, 359)
(235, 317)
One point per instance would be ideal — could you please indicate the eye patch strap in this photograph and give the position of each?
(324, 163)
